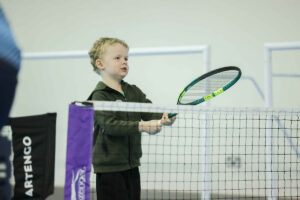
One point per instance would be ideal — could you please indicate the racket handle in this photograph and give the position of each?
(170, 115)
(159, 123)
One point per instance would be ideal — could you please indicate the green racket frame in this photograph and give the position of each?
(213, 94)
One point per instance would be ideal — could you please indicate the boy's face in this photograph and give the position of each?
(114, 62)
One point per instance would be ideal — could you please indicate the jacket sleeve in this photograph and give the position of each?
(147, 116)
(110, 123)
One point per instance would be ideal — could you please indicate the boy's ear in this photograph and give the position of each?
(99, 64)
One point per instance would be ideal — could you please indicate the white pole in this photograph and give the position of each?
(54, 55)
(270, 164)
(282, 46)
(269, 103)
(205, 50)
(269, 48)
(167, 50)
(268, 78)
(206, 58)
(206, 166)
(206, 169)
(132, 52)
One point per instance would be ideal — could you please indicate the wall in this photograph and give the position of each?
(236, 31)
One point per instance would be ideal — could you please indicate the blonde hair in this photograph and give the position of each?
(99, 48)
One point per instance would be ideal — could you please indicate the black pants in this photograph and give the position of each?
(124, 185)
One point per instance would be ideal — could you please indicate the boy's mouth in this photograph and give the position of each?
(124, 69)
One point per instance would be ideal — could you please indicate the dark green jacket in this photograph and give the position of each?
(117, 141)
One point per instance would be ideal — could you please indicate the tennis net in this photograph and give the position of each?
(218, 153)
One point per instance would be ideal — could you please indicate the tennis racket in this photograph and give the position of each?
(208, 86)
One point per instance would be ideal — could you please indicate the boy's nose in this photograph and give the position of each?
(124, 61)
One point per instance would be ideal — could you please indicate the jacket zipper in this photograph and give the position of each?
(129, 145)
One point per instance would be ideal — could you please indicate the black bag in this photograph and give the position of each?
(34, 155)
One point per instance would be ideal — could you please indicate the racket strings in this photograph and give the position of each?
(208, 85)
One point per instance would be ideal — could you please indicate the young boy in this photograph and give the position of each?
(117, 135)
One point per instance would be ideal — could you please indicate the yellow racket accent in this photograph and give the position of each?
(208, 97)
(219, 91)
(181, 95)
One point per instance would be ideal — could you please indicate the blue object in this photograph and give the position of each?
(9, 51)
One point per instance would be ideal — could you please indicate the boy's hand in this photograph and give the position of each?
(165, 121)
(152, 127)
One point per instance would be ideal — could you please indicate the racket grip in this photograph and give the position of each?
(171, 115)
(159, 123)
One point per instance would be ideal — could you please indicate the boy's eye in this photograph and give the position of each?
(126, 59)
(117, 58)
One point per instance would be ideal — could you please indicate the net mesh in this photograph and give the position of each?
(218, 153)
